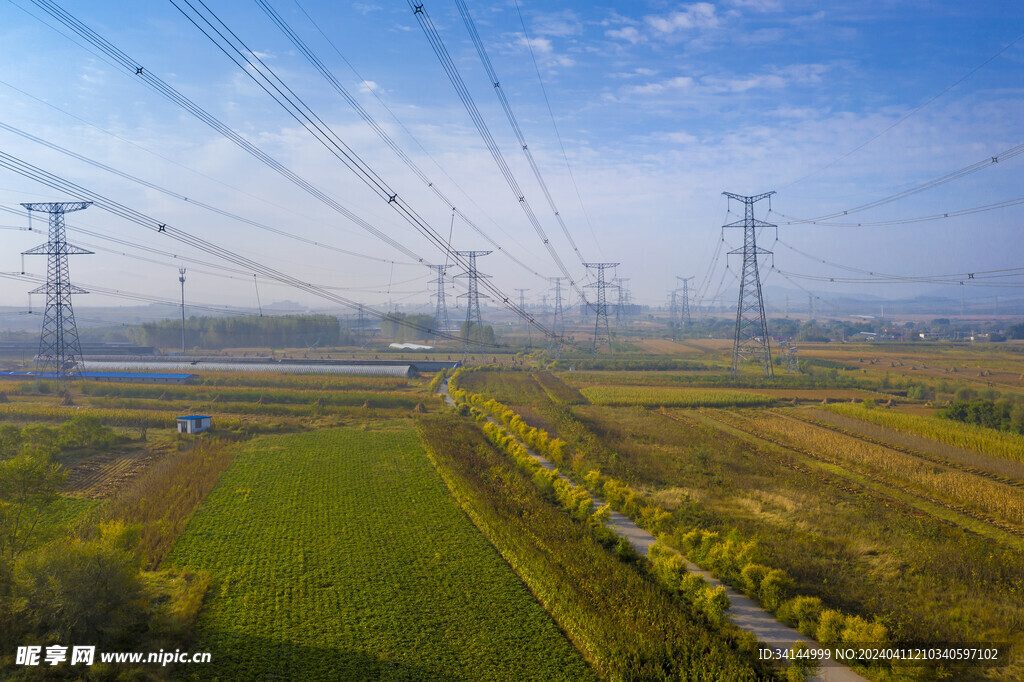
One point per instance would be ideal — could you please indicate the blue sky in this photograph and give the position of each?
(661, 107)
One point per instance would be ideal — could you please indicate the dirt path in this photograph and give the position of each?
(743, 612)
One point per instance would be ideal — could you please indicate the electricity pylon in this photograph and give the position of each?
(441, 321)
(473, 294)
(622, 301)
(684, 304)
(600, 306)
(751, 337)
(59, 347)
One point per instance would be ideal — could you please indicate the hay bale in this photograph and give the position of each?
(420, 408)
(367, 405)
(261, 401)
(163, 396)
(65, 398)
(320, 402)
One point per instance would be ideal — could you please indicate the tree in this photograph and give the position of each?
(28, 485)
(85, 590)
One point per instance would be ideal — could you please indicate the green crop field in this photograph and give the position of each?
(340, 554)
(672, 397)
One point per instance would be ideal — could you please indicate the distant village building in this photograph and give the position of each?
(194, 423)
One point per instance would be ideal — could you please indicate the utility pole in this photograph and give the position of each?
(181, 278)
(441, 320)
(600, 306)
(473, 295)
(751, 337)
(59, 347)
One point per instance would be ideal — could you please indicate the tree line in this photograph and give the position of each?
(285, 331)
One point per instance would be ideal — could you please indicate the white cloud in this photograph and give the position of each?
(539, 45)
(628, 33)
(544, 50)
(758, 5)
(676, 83)
(700, 15)
(680, 138)
(560, 24)
(368, 86)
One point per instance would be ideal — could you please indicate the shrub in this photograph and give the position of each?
(625, 551)
(830, 627)
(751, 577)
(859, 632)
(713, 602)
(801, 612)
(801, 668)
(83, 591)
(774, 589)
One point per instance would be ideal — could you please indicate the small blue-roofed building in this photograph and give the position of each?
(194, 423)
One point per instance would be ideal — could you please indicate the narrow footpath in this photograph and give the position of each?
(743, 612)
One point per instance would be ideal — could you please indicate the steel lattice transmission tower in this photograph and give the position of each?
(751, 338)
(684, 304)
(558, 318)
(441, 321)
(473, 294)
(59, 347)
(600, 305)
(622, 300)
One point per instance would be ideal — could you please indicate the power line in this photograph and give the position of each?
(434, 38)
(123, 61)
(398, 121)
(481, 51)
(318, 64)
(71, 189)
(265, 77)
(554, 125)
(881, 277)
(906, 221)
(195, 202)
(906, 116)
(930, 184)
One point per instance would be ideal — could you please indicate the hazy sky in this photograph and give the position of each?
(661, 107)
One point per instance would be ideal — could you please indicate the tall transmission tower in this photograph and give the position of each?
(527, 320)
(622, 300)
(59, 347)
(522, 299)
(600, 305)
(751, 338)
(558, 316)
(472, 295)
(441, 321)
(684, 303)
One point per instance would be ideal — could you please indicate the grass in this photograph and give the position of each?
(163, 499)
(341, 555)
(628, 627)
(969, 436)
(858, 550)
(672, 397)
(946, 485)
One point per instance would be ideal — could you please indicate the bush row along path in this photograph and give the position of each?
(743, 612)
